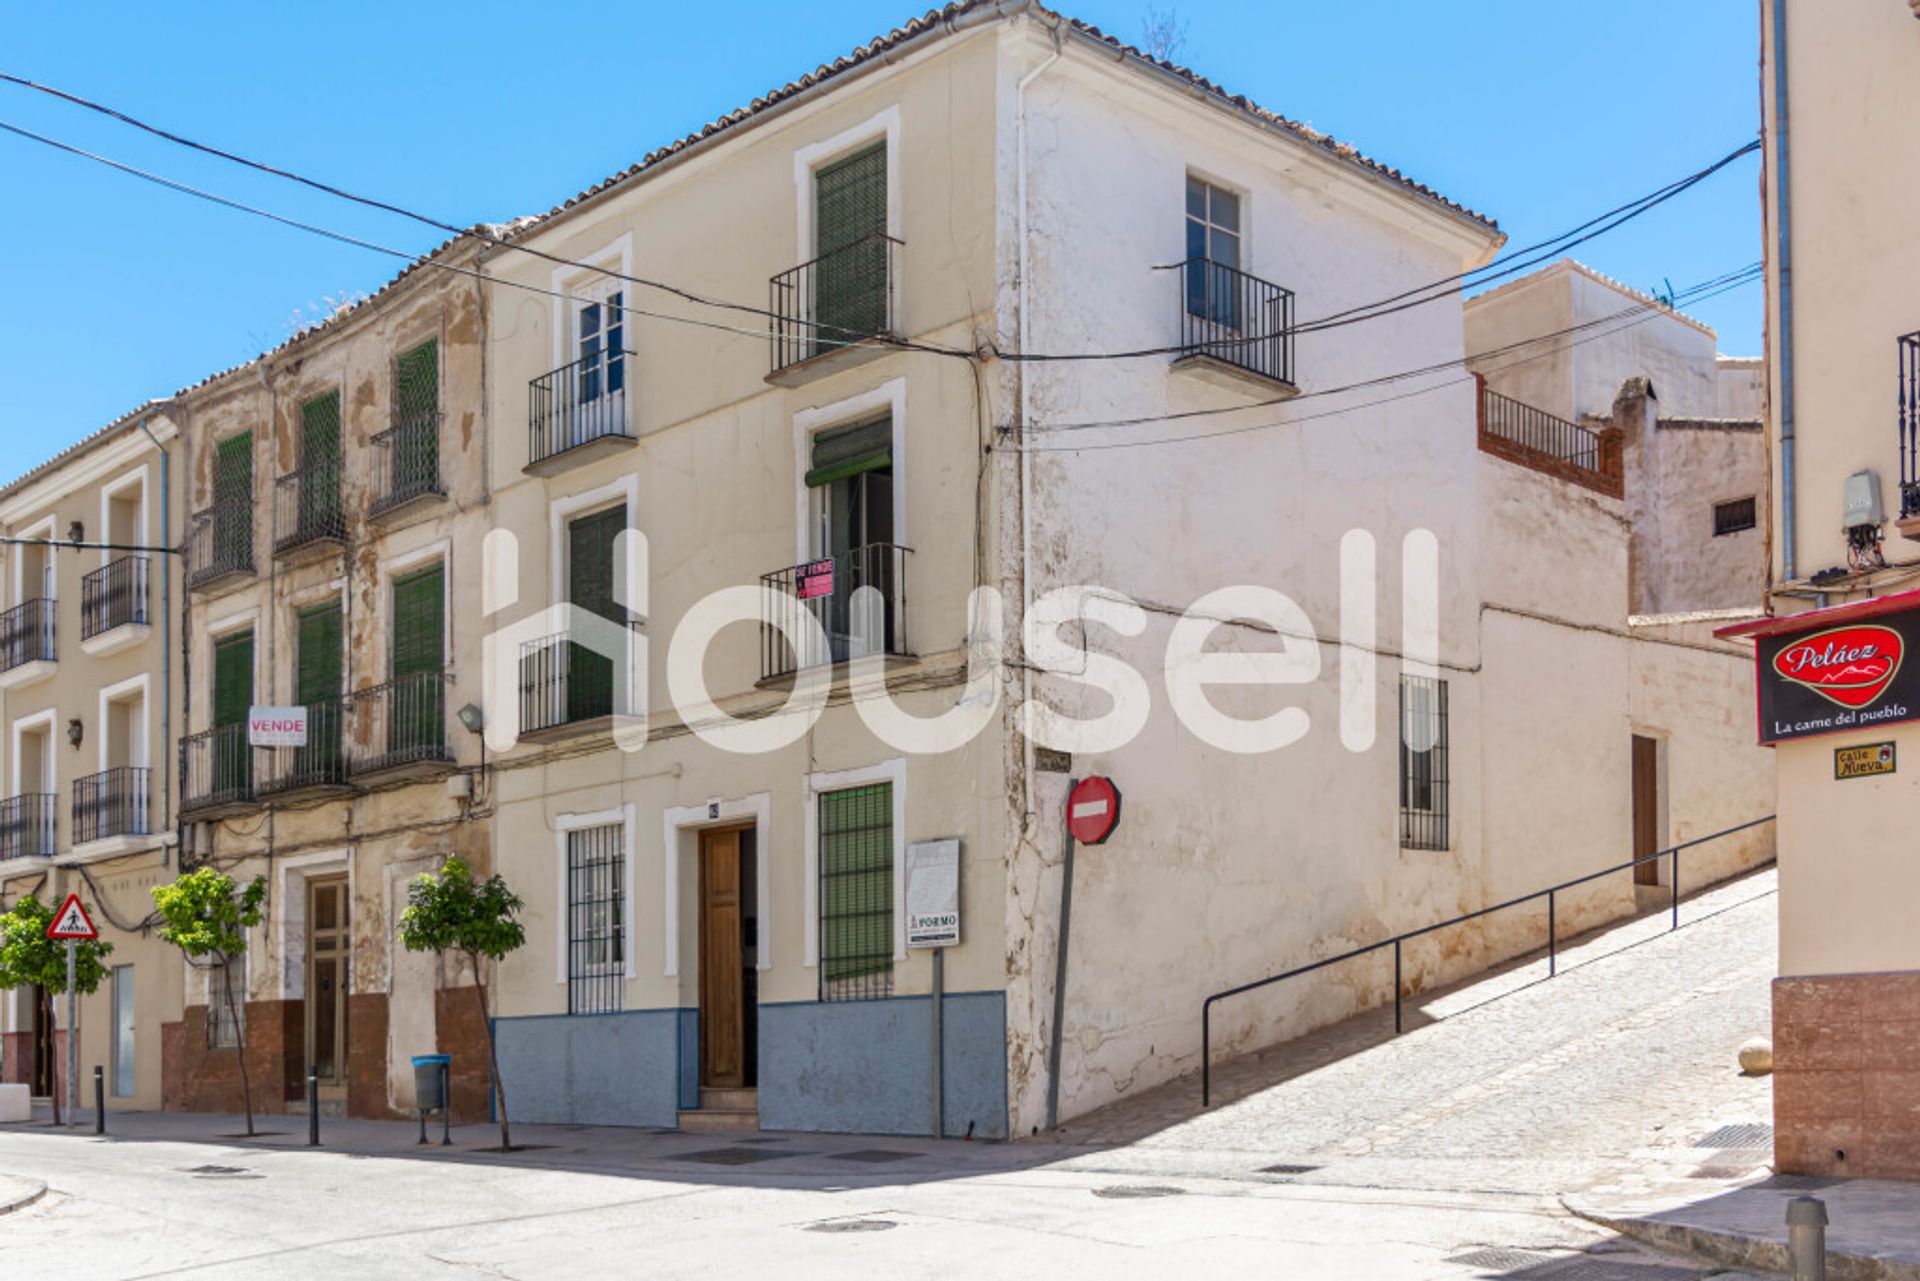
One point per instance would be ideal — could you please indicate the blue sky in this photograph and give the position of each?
(1541, 114)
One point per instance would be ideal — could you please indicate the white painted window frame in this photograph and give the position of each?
(890, 395)
(808, 160)
(140, 749)
(42, 528)
(626, 816)
(25, 725)
(112, 490)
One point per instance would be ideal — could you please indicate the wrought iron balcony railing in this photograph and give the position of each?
(840, 299)
(859, 600)
(406, 462)
(1908, 352)
(115, 595)
(403, 722)
(307, 509)
(220, 542)
(26, 825)
(579, 404)
(1235, 318)
(110, 803)
(216, 768)
(26, 634)
(566, 682)
(322, 762)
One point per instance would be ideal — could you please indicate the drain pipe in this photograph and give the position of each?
(166, 629)
(1783, 257)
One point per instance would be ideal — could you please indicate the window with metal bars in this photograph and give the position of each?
(224, 1028)
(1423, 763)
(1733, 516)
(856, 893)
(596, 919)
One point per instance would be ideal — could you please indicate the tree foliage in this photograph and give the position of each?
(449, 911)
(205, 915)
(28, 957)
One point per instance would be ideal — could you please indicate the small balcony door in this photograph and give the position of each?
(600, 369)
(590, 579)
(232, 764)
(417, 722)
(850, 247)
(317, 688)
(851, 485)
(320, 465)
(329, 952)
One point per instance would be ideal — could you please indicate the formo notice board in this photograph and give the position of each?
(1837, 674)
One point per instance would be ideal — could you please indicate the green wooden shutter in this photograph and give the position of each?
(590, 575)
(856, 893)
(850, 199)
(413, 457)
(848, 451)
(232, 679)
(849, 229)
(320, 464)
(418, 623)
(317, 687)
(233, 501)
(416, 379)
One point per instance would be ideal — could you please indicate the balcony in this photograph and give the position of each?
(578, 413)
(833, 312)
(859, 599)
(568, 682)
(27, 651)
(111, 804)
(1907, 350)
(1536, 439)
(1235, 328)
(399, 729)
(219, 544)
(113, 606)
(216, 772)
(406, 464)
(317, 769)
(26, 826)
(307, 513)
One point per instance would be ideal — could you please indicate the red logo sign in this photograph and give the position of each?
(1851, 666)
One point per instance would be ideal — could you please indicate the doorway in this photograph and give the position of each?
(328, 950)
(42, 1045)
(1646, 810)
(728, 955)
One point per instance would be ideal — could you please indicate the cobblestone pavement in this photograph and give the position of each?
(1604, 1078)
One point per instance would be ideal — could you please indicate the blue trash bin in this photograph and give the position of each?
(430, 1072)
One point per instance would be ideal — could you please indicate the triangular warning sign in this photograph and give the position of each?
(72, 921)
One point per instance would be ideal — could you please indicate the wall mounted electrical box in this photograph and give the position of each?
(1860, 501)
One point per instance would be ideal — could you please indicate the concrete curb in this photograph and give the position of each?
(1740, 1249)
(34, 1190)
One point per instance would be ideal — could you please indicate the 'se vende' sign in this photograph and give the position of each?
(1838, 678)
(276, 727)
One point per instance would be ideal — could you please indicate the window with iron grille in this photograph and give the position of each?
(1733, 516)
(223, 1026)
(1423, 763)
(856, 893)
(596, 918)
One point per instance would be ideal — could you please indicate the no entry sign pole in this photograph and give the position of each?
(1093, 810)
(73, 1034)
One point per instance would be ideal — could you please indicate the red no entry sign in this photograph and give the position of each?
(1093, 808)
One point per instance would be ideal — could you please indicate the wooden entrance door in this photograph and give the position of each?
(42, 1045)
(722, 949)
(329, 952)
(1646, 810)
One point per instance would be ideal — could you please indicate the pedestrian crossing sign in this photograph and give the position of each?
(72, 921)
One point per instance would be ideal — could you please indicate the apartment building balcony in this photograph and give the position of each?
(216, 773)
(399, 729)
(219, 544)
(318, 768)
(1907, 354)
(1236, 329)
(308, 518)
(578, 413)
(113, 606)
(858, 598)
(406, 464)
(26, 825)
(570, 684)
(110, 811)
(1543, 442)
(834, 312)
(27, 652)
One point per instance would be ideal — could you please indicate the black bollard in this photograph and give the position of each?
(99, 1099)
(446, 1105)
(313, 1107)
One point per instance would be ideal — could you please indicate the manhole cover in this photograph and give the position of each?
(873, 1155)
(733, 1156)
(206, 1170)
(1288, 1169)
(1499, 1259)
(1751, 1135)
(1135, 1191)
(1607, 1270)
(852, 1225)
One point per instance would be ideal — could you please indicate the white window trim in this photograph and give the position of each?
(809, 158)
(290, 919)
(108, 492)
(561, 510)
(810, 422)
(38, 529)
(615, 256)
(892, 771)
(678, 819)
(563, 917)
(21, 728)
(140, 748)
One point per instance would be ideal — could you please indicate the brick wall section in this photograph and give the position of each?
(367, 1055)
(460, 1033)
(195, 1078)
(16, 1057)
(1846, 1075)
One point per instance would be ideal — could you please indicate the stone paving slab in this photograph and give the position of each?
(1873, 1231)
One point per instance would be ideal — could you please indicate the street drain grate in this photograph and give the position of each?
(1136, 1191)
(1753, 1134)
(733, 1156)
(1606, 1270)
(1732, 1163)
(852, 1225)
(1498, 1259)
(873, 1156)
(216, 1170)
(1288, 1169)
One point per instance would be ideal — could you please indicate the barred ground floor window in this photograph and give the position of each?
(1423, 763)
(856, 893)
(596, 918)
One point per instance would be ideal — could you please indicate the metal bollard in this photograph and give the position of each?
(313, 1107)
(99, 1099)
(1807, 1238)
(446, 1105)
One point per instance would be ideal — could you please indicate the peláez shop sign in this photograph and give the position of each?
(1837, 678)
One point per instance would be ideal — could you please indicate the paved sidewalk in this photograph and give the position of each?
(16, 1193)
(1873, 1231)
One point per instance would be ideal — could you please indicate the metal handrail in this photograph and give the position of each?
(1206, 1007)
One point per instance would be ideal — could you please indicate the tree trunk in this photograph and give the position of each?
(493, 1055)
(240, 1040)
(58, 1068)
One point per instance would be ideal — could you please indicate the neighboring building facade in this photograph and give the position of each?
(1843, 363)
(90, 695)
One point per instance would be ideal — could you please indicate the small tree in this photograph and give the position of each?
(207, 917)
(449, 911)
(28, 958)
